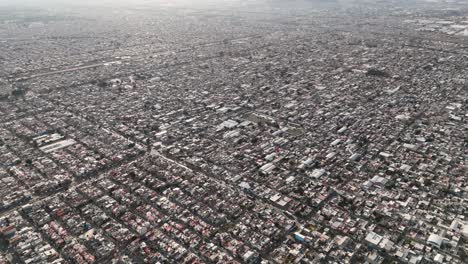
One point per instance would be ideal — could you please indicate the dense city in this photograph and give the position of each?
(237, 131)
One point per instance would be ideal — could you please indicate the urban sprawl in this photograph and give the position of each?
(237, 133)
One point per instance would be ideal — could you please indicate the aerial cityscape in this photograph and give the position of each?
(233, 131)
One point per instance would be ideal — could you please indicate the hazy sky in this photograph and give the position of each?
(195, 3)
(198, 3)
(106, 2)
(147, 2)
